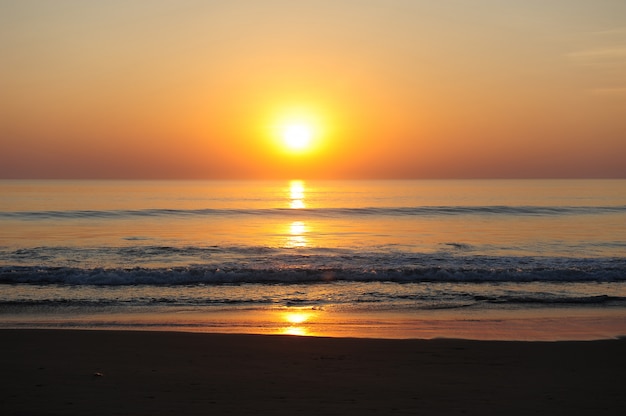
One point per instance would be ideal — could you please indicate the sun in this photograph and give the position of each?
(297, 136)
(297, 132)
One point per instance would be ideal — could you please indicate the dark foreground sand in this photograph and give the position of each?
(58, 372)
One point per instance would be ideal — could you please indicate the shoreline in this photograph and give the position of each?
(554, 324)
(101, 372)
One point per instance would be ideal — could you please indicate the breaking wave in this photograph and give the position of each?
(593, 272)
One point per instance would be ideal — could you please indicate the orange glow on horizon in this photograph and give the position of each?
(291, 100)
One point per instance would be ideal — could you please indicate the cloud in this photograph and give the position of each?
(601, 48)
(617, 92)
(612, 56)
(617, 31)
(602, 57)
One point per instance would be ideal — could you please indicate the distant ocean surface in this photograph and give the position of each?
(104, 253)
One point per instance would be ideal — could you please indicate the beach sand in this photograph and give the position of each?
(63, 372)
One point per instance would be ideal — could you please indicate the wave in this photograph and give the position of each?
(552, 299)
(237, 275)
(418, 301)
(320, 212)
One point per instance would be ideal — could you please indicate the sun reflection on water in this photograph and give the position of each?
(296, 330)
(297, 317)
(297, 204)
(297, 229)
(296, 321)
(295, 235)
(296, 195)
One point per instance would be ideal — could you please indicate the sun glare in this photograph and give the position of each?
(297, 136)
(298, 131)
(296, 317)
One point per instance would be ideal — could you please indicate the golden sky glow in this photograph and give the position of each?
(381, 89)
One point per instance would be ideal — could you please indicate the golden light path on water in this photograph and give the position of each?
(297, 323)
(296, 194)
(304, 233)
(297, 229)
(513, 325)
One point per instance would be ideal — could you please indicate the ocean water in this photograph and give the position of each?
(530, 259)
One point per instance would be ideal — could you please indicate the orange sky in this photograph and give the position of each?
(396, 88)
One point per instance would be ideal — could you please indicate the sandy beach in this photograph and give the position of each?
(64, 372)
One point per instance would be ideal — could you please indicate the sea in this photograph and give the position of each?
(480, 259)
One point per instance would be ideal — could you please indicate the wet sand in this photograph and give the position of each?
(63, 372)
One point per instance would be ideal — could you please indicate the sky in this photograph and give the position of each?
(189, 89)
